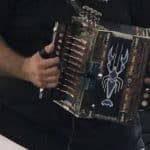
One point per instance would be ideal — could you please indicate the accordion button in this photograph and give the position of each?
(93, 105)
(146, 95)
(61, 35)
(58, 47)
(147, 90)
(60, 41)
(129, 80)
(57, 53)
(144, 103)
(100, 76)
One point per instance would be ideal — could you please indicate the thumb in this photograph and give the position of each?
(49, 48)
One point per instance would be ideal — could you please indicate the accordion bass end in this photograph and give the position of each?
(102, 71)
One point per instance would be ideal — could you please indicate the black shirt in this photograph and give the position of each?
(26, 26)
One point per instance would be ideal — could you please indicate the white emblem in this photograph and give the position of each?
(112, 83)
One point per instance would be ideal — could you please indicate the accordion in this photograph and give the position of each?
(102, 68)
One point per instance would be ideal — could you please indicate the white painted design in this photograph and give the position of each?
(112, 83)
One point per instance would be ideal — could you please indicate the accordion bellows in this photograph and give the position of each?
(102, 69)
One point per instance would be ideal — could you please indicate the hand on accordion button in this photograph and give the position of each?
(43, 73)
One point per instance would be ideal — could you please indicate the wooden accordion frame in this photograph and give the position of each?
(102, 68)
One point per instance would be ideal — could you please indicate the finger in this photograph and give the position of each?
(147, 81)
(52, 79)
(48, 84)
(52, 85)
(46, 63)
(49, 48)
(41, 84)
(53, 71)
(47, 52)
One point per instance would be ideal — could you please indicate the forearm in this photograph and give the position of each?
(41, 72)
(11, 63)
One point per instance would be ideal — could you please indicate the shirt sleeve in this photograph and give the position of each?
(7, 9)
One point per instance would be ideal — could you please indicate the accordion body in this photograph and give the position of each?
(102, 69)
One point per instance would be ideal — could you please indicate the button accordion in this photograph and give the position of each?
(102, 68)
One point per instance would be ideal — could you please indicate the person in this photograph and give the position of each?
(39, 124)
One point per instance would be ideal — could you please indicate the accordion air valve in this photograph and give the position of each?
(102, 69)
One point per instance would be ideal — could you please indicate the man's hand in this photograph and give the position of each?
(43, 73)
